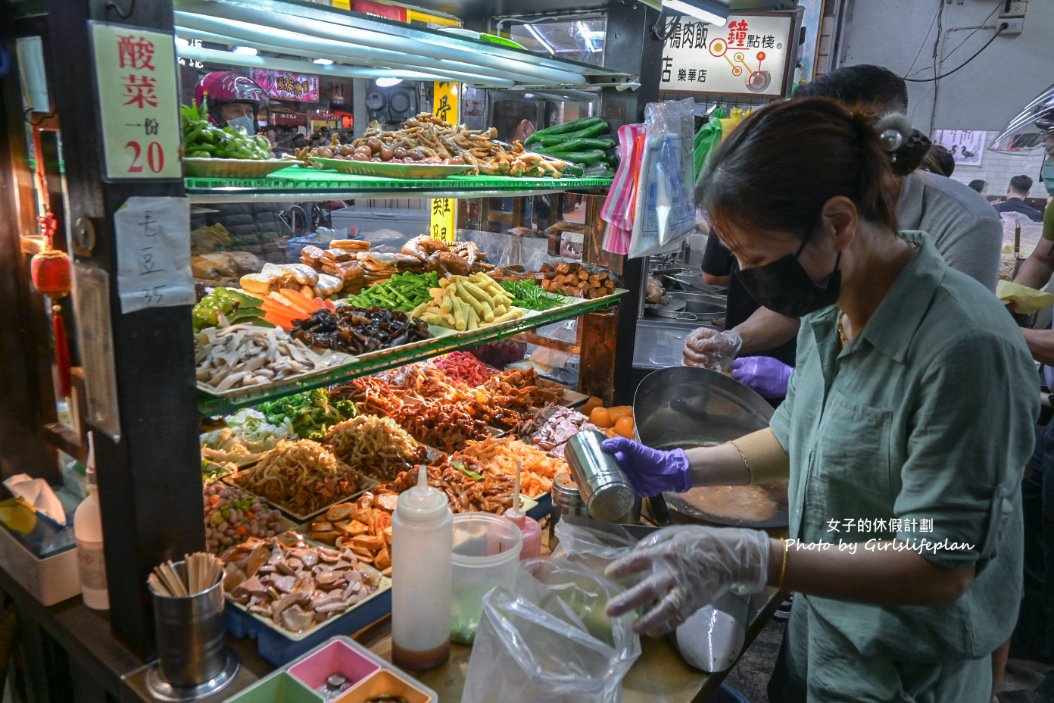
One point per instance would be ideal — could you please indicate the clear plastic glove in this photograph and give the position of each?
(685, 568)
(768, 376)
(711, 349)
(651, 471)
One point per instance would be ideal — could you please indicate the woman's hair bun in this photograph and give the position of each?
(905, 145)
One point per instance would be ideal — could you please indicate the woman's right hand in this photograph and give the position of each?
(711, 349)
(651, 471)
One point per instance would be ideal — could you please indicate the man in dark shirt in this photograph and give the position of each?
(1015, 199)
(718, 266)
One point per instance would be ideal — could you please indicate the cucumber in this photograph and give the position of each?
(583, 143)
(590, 132)
(586, 158)
(565, 128)
(574, 170)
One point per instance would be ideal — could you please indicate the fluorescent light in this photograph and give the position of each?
(245, 51)
(323, 62)
(587, 36)
(541, 40)
(387, 82)
(180, 41)
(716, 16)
(528, 96)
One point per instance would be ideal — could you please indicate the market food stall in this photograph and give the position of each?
(265, 404)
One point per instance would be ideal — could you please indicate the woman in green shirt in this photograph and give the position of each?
(907, 424)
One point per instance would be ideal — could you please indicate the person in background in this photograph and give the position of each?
(1016, 193)
(234, 100)
(1034, 636)
(900, 359)
(981, 186)
(939, 160)
(965, 230)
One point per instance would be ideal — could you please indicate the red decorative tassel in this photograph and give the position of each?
(62, 351)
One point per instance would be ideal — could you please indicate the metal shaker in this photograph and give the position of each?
(566, 501)
(606, 491)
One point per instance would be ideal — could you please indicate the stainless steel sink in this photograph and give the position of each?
(690, 307)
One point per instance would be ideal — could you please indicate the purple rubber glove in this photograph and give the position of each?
(768, 376)
(651, 471)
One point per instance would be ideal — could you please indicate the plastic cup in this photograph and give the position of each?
(486, 554)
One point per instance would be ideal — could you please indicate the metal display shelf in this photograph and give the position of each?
(308, 184)
(367, 44)
(213, 406)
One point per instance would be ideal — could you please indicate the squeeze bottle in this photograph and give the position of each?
(422, 544)
(87, 529)
(529, 527)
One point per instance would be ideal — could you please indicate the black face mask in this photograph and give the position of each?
(784, 286)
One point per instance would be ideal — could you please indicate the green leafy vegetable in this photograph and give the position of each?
(530, 295)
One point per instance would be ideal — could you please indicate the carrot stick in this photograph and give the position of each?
(300, 300)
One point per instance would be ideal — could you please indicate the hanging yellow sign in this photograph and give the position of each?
(418, 16)
(446, 105)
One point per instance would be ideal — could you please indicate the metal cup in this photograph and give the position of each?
(191, 643)
(607, 492)
(566, 501)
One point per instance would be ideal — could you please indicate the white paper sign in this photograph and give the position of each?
(966, 145)
(153, 253)
(135, 73)
(748, 56)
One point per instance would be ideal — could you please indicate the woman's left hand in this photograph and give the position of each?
(690, 566)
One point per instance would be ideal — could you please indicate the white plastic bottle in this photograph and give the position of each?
(87, 528)
(422, 544)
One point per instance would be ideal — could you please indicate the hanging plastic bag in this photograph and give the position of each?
(665, 212)
(707, 139)
(549, 639)
(618, 207)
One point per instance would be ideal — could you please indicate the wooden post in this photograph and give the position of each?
(149, 475)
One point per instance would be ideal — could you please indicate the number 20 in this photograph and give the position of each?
(155, 157)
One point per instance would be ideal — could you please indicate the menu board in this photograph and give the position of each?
(750, 56)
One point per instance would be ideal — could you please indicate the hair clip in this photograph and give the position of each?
(891, 140)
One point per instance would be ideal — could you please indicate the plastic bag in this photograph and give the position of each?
(592, 545)
(706, 140)
(618, 207)
(665, 212)
(549, 640)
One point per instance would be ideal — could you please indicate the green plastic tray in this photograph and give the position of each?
(295, 178)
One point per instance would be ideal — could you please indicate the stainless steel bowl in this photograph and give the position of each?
(687, 406)
(690, 407)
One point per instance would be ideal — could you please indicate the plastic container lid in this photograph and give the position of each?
(422, 503)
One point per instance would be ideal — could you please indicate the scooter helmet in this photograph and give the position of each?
(223, 87)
